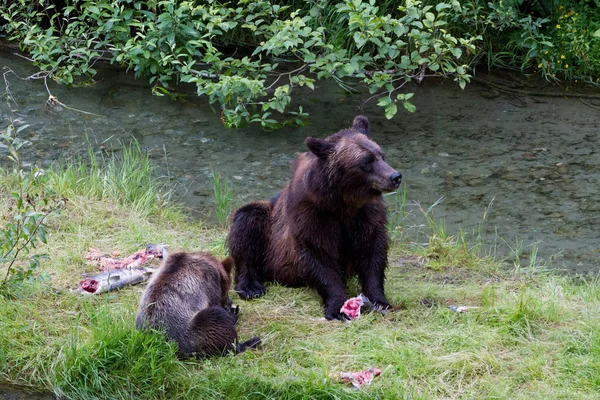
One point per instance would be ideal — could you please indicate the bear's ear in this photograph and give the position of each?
(361, 124)
(319, 147)
(227, 265)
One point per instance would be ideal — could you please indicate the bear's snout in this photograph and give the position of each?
(396, 178)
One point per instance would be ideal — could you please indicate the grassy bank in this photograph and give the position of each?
(534, 336)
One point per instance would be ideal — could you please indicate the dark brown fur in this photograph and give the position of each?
(188, 299)
(329, 222)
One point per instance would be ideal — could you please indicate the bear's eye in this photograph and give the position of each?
(367, 163)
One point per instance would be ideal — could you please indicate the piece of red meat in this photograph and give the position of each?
(352, 307)
(89, 285)
(357, 379)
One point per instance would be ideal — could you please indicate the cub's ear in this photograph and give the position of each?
(361, 124)
(319, 147)
(227, 264)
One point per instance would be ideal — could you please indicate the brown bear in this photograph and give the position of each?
(188, 299)
(329, 222)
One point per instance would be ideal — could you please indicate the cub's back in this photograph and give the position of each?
(185, 284)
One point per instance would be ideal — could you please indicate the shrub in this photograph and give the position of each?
(187, 41)
(24, 223)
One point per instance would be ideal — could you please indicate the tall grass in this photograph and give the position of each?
(223, 197)
(396, 202)
(125, 176)
(442, 249)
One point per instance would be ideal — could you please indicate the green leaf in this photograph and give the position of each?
(409, 106)
(596, 34)
(349, 68)
(391, 110)
(358, 39)
(20, 128)
(384, 102)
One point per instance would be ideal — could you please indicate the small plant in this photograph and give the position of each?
(25, 223)
(223, 197)
(450, 251)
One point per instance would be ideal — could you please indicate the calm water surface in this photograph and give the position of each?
(535, 160)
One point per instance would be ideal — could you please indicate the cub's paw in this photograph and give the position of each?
(253, 343)
(250, 290)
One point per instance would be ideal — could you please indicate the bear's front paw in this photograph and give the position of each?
(333, 315)
(250, 290)
(332, 311)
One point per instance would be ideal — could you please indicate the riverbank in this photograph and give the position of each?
(532, 335)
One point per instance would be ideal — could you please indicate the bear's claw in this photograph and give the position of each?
(250, 290)
(382, 306)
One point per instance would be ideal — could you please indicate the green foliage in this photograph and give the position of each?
(186, 41)
(25, 224)
(575, 52)
(556, 38)
(250, 57)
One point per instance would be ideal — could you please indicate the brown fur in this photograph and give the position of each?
(329, 222)
(188, 299)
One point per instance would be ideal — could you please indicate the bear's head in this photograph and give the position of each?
(354, 163)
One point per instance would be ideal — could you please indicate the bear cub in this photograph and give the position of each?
(327, 223)
(188, 299)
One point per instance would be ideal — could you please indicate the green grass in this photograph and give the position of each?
(223, 197)
(534, 335)
(125, 176)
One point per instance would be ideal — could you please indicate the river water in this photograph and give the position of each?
(13, 393)
(533, 162)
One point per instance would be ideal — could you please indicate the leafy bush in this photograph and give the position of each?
(232, 51)
(556, 38)
(25, 223)
(187, 41)
(576, 42)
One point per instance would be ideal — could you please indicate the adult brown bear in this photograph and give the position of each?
(329, 222)
(188, 298)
